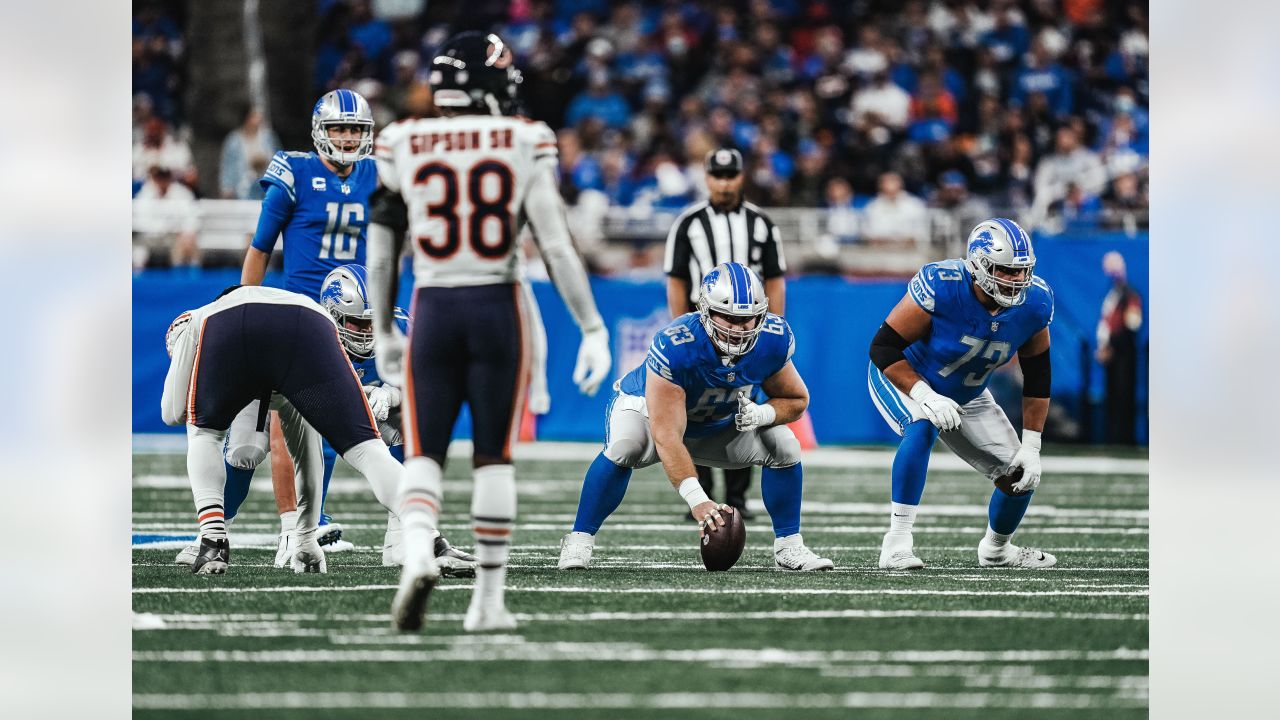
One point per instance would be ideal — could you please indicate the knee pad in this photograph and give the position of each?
(625, 452)
(247, 453)
(783, 447)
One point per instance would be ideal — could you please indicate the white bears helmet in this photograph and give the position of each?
(345, 295)
(342, 107)
(732, 290)
(1001, 244)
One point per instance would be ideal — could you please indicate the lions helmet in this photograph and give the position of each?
(344, 293)
(1001, 245)
(475, 71)
(734, 291)
(342, 107)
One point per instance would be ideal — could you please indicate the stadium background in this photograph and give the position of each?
(638, 92)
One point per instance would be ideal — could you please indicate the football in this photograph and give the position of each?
(1005, 482)
(722, 548)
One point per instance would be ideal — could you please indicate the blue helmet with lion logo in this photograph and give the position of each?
(1002, 260)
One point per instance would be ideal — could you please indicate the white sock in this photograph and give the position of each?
(421, 495)
(996, 539)
(373, 460)
(493, 515)
(208, 475)
(588, 538)
(902, 518)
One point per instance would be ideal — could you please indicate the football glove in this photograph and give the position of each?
(594, 361)
(939, 409)
(539, 398)
(381, 399)
(389, 356)
(752, 416)
(1027, 458)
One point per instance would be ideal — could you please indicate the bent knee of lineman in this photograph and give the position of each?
(783, 447)
(625, 452)
(246, 453)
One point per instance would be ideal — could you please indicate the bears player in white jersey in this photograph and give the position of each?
(931, 361)
(463, 186)
(283, 350)
(690, 401)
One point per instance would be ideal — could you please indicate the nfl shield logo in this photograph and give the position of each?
(730, 377)
(995, 326)
(346, 189)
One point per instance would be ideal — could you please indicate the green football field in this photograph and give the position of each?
(646, 632)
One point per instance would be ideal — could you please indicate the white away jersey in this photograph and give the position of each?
(464, 180)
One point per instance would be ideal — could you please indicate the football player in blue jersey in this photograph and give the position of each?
(690, 403)
(318, 201)
(931, 361)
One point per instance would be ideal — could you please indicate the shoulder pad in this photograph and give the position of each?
(280, 172)
(776, 333)
(1042, 295)
(539, 136)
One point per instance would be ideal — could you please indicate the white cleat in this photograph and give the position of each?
(419, 575)
(1014, 556)
(481, 619)
(790, 553)
(897, 553)
(575, 551)
(187, 555)
(308, 558)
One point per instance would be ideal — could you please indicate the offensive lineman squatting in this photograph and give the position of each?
(689, 402)
(931, 362)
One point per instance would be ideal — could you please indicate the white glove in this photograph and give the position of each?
(389, 356)
(539, 398)
(940, 410)
(594, 361)
(381, 399)
(752, 416)
(1028, 458)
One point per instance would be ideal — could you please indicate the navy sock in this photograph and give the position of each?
(602, 491)
(236, 489)
(397, 452)
(911, 463)
(782, 490)
(1006, 511)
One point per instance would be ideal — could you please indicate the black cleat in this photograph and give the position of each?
(213, 558)
(454, 562)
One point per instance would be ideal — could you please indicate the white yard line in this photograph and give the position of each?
(626, 701)
(666, 591)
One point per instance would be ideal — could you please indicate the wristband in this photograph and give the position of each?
(767, 414)
(692, 492)
(1031, 439)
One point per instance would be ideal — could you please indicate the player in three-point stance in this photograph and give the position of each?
(690, 403)
(283, 350)
(931, 361)
(463, 185)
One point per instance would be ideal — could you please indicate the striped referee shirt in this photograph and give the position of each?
(703, 237)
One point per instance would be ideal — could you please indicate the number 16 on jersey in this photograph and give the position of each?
(340, 235)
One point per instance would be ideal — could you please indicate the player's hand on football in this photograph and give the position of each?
(710, 516)
(594, 361)
(389, 356)
(939, 409)
(1027, 458)
(752, 416)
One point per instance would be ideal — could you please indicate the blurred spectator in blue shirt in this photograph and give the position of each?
(245, 153)
(599, 101)
(1041, 73)
(372, 34)
(1009, 39)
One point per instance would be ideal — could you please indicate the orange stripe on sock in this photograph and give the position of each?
(496, 532)
(210, 514)
(423, 501)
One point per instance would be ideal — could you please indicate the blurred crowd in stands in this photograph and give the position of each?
(873, 110)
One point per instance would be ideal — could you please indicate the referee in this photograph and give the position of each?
(725, 228)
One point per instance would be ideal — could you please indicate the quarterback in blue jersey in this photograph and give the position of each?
(318, 201)
(930, 365)
(690, 402)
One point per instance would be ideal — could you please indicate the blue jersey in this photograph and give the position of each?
(324, 217)
(682, 353)
(966, 342)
